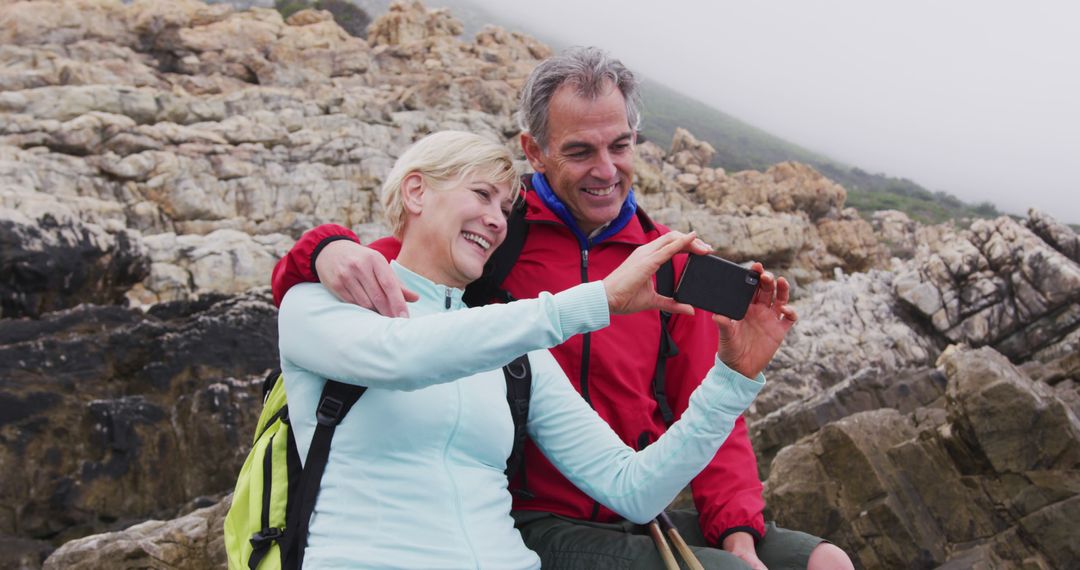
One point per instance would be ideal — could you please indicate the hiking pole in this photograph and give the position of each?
(687, 555)
(662, 546)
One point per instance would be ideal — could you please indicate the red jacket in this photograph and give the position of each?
(618, 362)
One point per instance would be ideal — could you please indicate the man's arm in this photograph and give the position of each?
(727, 493)
(298, 266)
(354, 273)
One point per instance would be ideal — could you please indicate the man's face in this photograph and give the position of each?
(589, 159)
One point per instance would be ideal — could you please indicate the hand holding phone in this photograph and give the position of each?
(717, 285)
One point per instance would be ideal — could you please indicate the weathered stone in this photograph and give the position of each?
(114, 415)
(51, 264)
(1057, 235)
(988, 483)
(999, 285)
(191, 542)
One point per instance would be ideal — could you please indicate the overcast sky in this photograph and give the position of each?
(980, 99)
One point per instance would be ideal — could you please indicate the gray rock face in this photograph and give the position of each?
(192, 542)
(998, 285)
(980, 483)
(846, 326)
(113, 415)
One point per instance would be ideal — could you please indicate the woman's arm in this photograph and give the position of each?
(637, 485)
(333, 339)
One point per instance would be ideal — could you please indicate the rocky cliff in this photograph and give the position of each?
(157, 157)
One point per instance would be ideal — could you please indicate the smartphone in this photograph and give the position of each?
(717, 285)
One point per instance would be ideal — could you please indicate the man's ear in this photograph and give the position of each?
(533, 152)
(412, 193)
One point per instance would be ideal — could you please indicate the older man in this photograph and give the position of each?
(579, 115)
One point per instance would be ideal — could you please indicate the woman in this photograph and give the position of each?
(415, 476)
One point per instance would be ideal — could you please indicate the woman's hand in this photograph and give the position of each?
(630, 288)
(748, 345)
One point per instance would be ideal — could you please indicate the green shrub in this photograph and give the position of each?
(352, 18)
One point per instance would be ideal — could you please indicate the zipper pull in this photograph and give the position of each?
(447, 298)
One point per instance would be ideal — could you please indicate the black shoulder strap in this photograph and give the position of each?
(518, 390)
(336, 401)
(665, 285)
(489, 285)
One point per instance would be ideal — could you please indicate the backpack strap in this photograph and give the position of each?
(336, 401)
(489, 285)
(665, 285)
(518, 376)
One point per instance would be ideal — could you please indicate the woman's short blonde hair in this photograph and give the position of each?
(443, 158)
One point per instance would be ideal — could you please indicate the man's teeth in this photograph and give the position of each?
(477, 239)
(601, 191)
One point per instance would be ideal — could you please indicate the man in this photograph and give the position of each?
(579, 114)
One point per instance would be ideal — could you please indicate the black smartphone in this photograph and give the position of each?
(717, 285)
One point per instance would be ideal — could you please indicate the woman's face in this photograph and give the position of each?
(458, 228)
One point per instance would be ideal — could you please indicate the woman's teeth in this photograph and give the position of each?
(477, 240)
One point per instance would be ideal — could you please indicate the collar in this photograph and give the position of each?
(548, 197)
(634, 232)
(432, 295)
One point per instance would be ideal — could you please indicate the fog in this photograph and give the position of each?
(980, 99)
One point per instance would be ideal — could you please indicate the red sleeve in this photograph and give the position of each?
(728, 492)
(298, 266)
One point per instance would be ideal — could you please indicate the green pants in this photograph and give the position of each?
(565, 544)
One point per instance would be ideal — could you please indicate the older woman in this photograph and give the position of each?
(416, 471)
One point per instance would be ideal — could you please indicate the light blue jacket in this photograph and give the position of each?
(415, 477)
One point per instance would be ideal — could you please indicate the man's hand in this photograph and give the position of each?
(629, 287)
(361, 276)
(741, 544)
(746, 346)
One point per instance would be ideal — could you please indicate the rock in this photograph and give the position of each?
(22, 553)
(192, 542)
(1054, 233)
(52, 263)
(849, 331)
(687, 150)
(115, 415)
(979, 483)
(407, 22)
(1001, 412)
(999, 285)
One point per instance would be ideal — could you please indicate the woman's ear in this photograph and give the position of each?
(412, 193)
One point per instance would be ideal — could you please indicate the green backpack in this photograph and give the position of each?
(266, 527)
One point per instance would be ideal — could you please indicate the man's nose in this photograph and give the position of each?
(603, 168)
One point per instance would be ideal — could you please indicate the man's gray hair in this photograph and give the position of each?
(586, 68)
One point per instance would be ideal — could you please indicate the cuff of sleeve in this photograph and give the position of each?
(747, 529)
(730, 391)
(318, 249)
(583, 308)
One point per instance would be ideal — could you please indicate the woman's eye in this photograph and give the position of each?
(482, 193)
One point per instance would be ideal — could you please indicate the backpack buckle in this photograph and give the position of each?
(329, 411)
(266, 535)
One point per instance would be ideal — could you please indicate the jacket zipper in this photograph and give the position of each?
(586, 338)
(585, 344)
(448, 298)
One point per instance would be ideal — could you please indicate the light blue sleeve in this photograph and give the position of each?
(330, 338)
(637, 485)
